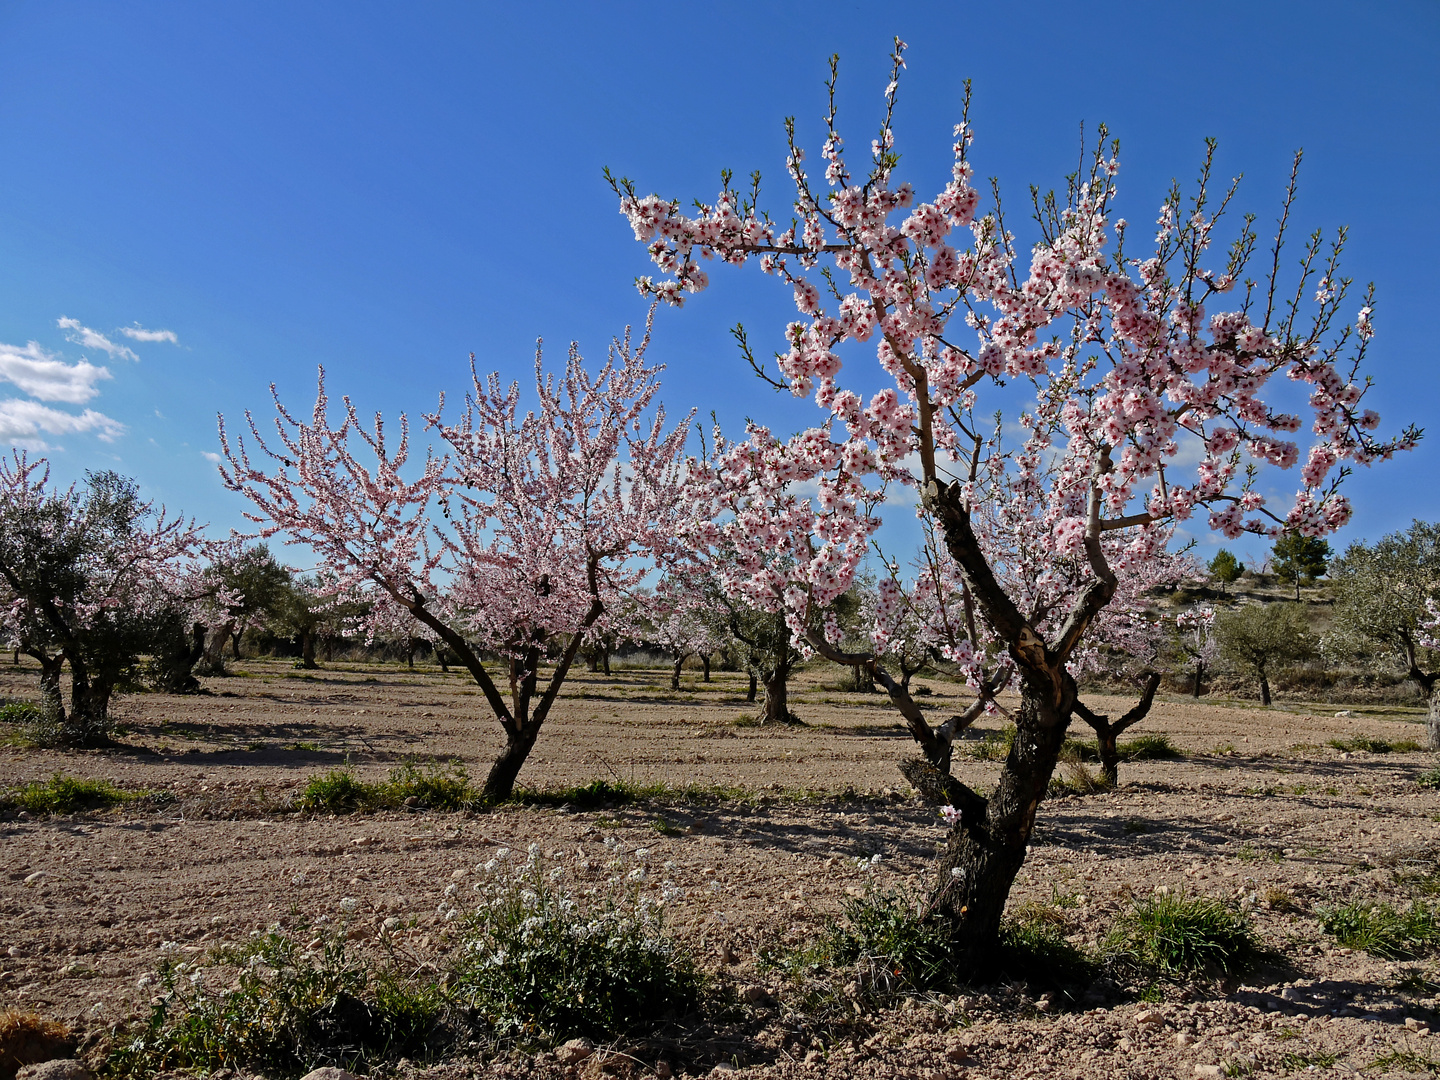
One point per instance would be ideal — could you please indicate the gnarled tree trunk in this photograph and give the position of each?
(754, 686)
(777, 697)
(213, 660)
(985, 851)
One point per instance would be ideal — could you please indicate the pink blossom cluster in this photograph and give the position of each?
(1150, 391)
(528, 526)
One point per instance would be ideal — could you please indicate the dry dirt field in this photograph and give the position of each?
(1260, 806)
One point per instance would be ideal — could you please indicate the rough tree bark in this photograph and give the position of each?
(777, 696)
(213, 659)
(1429, 682)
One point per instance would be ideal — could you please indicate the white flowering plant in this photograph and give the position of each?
(542, 965)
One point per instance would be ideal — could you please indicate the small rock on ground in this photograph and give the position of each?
(574, 1051)
(58, 1069)
(329, 1072)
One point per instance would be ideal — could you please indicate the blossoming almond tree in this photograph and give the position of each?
(513, 541)
(1129, 358)
(687, 621)
(89, 576)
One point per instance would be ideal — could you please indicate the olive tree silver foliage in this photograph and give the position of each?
(1381, 595)
(1263, 638)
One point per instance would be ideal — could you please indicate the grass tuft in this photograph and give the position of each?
(995, 746)
(1405, 1061)
(1383, 930)
(1149, 748)
(1375, 746)
(64, 795)
(433, 787)
(1179, 935)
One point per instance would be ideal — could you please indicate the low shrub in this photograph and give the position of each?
(888, 945)
(292, 1009)
(543, 967)
(1034, 949)
(435, 787)
(35, 722)
(64, 795)
(1076, 779)
(1383, 930)
(19, 712)
(1178, 935)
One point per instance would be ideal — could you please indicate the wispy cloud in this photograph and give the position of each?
(211, 456)
(47, 377)
(22, 423)
(139, 333)
(93, 339)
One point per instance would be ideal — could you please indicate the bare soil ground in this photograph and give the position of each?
(1259, 807)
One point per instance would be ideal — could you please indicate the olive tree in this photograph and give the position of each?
(1262, 638)
(1384, 593)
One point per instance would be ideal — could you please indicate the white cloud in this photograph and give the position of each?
(139, 333)
(22, 423)
(93, 339)
(212, 457)
(45, 376)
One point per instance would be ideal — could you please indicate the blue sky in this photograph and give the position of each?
(384, 188)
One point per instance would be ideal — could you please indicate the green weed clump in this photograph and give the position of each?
(1383, 930)
(1149, 748)
(339, 791)
(542, 967)
(20, 712)
(292, 1010)
(433, 787)
(1429, 778)
(1375, 746)
(888, 944)
(995, 746)
(64, 795)
(1178, 935)
(607, 794)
